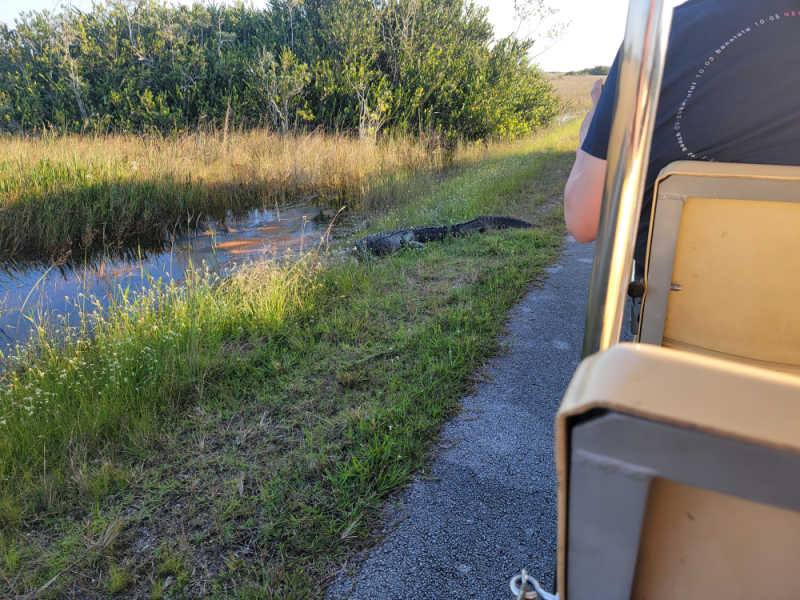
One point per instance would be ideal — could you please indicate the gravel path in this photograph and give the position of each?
(488, 507)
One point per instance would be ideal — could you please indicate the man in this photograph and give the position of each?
(731, 93)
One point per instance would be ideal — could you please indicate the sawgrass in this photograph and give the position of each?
(237, 438)
(62, 195)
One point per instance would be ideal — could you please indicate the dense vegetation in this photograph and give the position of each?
(429, 66)
(599, 71)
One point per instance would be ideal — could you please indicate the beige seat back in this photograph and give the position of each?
(678, 478)
(723, 268)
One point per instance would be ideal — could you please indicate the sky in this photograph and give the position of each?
(595, 28)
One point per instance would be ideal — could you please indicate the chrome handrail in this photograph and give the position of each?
(641, 69)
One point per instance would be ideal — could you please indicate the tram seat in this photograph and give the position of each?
(678, 478)
(723, 263)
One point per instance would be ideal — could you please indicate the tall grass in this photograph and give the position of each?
(61, 194)
(149, 357)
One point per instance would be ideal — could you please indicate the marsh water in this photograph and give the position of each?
(33, 294)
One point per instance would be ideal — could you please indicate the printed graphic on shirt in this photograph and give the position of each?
(717, 60)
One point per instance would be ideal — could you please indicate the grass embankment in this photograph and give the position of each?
(70, 194)
(237, 438)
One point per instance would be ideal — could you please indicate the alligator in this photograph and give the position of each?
(386, 242)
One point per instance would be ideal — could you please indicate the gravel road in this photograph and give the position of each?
(488, 507)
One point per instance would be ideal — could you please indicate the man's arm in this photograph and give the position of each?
(583, 193)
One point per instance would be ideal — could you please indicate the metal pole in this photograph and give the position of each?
(641, 69)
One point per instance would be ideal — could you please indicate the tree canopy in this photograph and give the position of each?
(365, 66)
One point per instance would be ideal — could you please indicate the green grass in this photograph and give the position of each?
(237, 438)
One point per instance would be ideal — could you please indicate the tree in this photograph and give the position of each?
(281, 81)
(354, 31)
(429, 67)
(536, 22)
(68, 45)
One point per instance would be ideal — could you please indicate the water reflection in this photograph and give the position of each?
(31, 294)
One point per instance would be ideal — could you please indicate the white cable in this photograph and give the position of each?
(519, 586)
(542, 594)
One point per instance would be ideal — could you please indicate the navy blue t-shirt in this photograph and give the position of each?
(731, 91)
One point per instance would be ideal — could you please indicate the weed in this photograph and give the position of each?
(11, 511)
(119, 579)
(170, 562)
(103, 480)
(10, 553)
(101, 535)
(158, 589)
